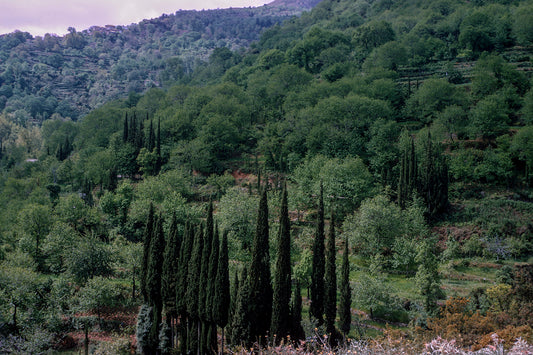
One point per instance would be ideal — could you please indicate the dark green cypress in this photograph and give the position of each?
(153, 281)
(181, 287)
(170, 273)
(204, 313)
(222, 288)
(242, 319)
(132, 135)
(281, 320)
(259, 278)
(193, 288)
(211, 340)
(233, 306)
(125, 130)
(316, 309)
(345, 315)
(148, 231)
(434, 180)
(151, 137)
(158, 146)
(330, 296)
(297, 331)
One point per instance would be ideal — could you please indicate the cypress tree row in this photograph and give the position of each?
(222, 288)
(281, 321)
(259, 278)
(148, 231)
(345, 315)
(125, 129)
(153, 282)
(316, 309)
(330, 296)
(408, 170)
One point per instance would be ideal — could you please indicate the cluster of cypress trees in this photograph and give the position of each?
(133, 133)
(323, 308)
(185, 280)
(426, 178)
(184, 277)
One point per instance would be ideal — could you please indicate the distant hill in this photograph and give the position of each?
(69, 75)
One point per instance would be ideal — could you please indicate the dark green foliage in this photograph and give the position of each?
(153, 281)
(345, 303)
(193, 274)
(260, 303)
(147, 238)
(185, 256)
(211, 295)
(433, 180)
(242, 317)
(297, 331)
(233, 305)
(222, 302)
(428, 279)
(317, 277)
(408, 170)
(281, 321)
(330, 292)
(171, 267)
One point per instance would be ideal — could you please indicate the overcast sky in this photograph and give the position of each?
(55, 16)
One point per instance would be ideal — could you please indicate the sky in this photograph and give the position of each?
(56, 16)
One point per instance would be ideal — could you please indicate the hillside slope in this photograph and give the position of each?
(72, 74)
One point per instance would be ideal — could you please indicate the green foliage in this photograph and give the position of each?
(330, 281)
(260, 302)
(345, 302)
(316, 309)
(281, 320)
(88, 257)
(382, 227)
(427, 277)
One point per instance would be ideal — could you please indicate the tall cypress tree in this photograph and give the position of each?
(297, 331)
(182, 286)
(222, 288)
(242, 319)
(153, 280)
(318, 269)
(330, 296)
(125, 129)
(211, 300)
(193, 288)
(148, 231)
(151, 137)
(233, 305)
(171, 269)
(434, 179)
(204, 313)
(259, 278)
(345, 315)
(281, 321)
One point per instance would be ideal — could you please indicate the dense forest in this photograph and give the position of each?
(356, 180)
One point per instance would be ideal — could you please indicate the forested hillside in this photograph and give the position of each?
(360, 172)
(72, 74)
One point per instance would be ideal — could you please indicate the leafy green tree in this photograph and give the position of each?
(374, 34)
(89, 257)
(241, 326)
(345, 302)
(427, 278)
(281, 321)
(522, 146)
(373, 294)
(316, 310)
(432, 98)
(260, 303)
(35, 221)
(98, 294)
